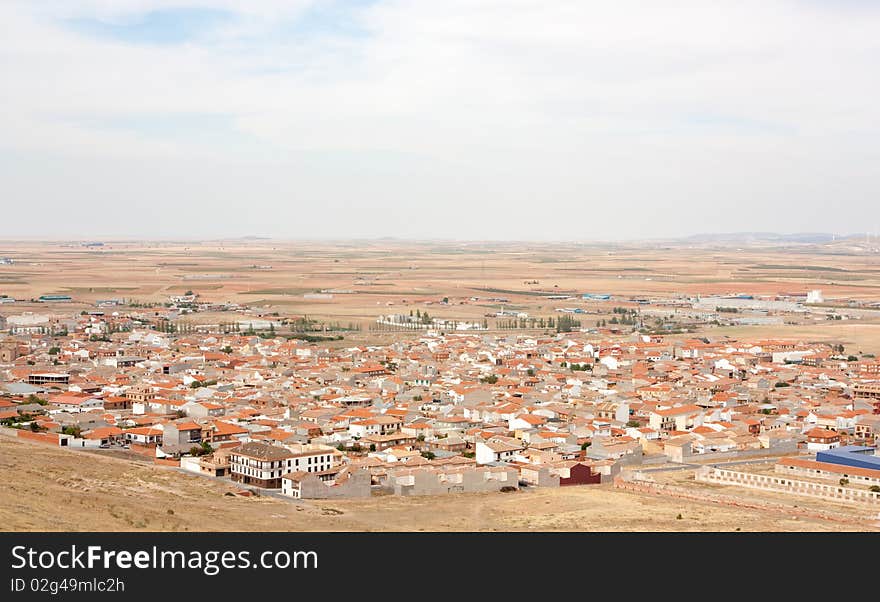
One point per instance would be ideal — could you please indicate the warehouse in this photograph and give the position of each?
(851, 455)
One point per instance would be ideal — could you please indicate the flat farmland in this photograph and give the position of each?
(375, 277)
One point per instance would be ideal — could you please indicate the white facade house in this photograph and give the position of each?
(380, 425)
(815, 446)
(819, 439)
(496, 451)
(72, 404)
(144, 435)
(312, 458)
(259, 464)
(610, 362)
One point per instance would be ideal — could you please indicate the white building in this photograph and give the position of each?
(496, 450)
(815, 296)
(312, 457)
(259, 464)
(819, 439)
(378, 425)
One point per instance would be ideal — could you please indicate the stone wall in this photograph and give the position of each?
(632, 482)
(783, 484)
(430, 482)
(357, 485)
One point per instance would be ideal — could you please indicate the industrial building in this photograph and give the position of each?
(55, 298)
(855, 456)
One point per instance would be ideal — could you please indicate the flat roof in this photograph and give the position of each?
(851, 455)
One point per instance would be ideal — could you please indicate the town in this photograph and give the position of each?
(284, 405)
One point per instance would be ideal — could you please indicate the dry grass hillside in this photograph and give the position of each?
(46, 488)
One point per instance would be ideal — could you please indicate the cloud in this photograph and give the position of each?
(171, 26)
(492, 109)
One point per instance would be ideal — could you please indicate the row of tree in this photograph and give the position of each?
(564, 323)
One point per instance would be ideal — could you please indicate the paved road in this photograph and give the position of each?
(695, 466)
(665, 468)
(752, 461)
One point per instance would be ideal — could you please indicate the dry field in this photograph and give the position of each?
(394, 277)
(47, 488)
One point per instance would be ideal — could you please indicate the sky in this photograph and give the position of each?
(490, 120)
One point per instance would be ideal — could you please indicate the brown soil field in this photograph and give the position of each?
(51, 489)
(395, 276)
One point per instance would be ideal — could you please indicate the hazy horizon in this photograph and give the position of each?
(694, 238)
(516, 120)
